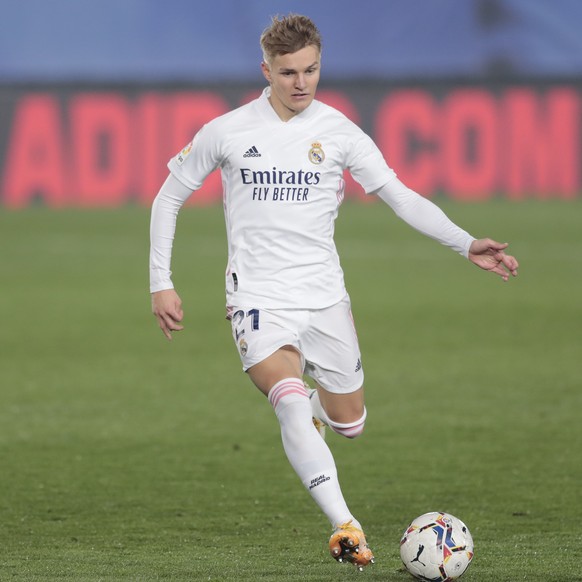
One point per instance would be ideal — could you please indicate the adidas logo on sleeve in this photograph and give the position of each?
(252, 153)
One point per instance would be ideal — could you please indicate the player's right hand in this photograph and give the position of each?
(167, 308)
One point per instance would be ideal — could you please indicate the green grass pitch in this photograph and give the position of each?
(127, 457)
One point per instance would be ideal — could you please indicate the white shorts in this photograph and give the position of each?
(325, 338)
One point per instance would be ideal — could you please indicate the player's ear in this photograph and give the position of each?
(266, 71)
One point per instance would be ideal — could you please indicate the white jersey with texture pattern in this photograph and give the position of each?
(282, 187)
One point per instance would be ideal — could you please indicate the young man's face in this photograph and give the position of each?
(293, 78)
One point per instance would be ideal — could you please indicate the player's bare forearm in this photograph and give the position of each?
(490, 255)
(167, 308)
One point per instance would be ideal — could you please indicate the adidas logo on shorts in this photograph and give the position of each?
(358, 365)
(252, 153)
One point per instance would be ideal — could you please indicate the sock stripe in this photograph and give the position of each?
(349, 431)
(284, 388)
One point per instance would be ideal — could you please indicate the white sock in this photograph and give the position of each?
(307, 452)
(317, 408)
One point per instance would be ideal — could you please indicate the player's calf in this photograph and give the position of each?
(350, 430)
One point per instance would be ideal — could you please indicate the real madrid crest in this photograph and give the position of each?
(316, 155)
(243, 347)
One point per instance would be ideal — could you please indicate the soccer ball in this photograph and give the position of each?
(436, 547)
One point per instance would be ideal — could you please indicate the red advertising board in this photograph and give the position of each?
(96, 147)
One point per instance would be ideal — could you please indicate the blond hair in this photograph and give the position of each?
(288, 34)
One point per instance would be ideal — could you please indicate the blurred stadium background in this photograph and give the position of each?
(471, 98)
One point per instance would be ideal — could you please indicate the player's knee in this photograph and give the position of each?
(350, 430)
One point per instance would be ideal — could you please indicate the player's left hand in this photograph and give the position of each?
(490, 256)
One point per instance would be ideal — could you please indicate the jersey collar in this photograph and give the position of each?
(270, 113)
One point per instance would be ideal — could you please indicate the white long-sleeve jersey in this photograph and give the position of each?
(282, 188)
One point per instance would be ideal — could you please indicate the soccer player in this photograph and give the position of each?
(282, 158)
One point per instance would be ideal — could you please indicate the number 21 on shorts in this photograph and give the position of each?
(238, 319)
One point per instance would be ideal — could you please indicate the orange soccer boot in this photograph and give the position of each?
(348, 544)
